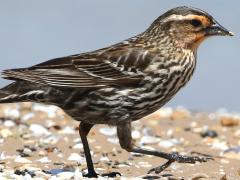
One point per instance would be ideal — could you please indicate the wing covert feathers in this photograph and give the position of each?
(86, 70)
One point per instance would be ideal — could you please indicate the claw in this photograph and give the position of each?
(159, 169)
(202, 154)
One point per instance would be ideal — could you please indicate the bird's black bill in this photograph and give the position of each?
(218, 30)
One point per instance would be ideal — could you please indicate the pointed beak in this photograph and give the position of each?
(217, 30)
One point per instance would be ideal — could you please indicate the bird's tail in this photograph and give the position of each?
(23, 91)
(18, 92)
(3, 94)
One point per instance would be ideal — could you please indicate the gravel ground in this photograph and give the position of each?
(41, 142)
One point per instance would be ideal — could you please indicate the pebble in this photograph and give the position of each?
(11, 113)
(237, 133)
(60, 155)
(65, 175)
(123, 166)
(104, 158)
(136, 134)
(209, 133)
(113, 140)
(31, 168)
(144, 164)
(108, 131)
(200, 176)
(165, 112)
(149, 148)
(52, 139)
(78, 146)
(146, 131)
(9, 123)
(25, 152)
(67, 130)
(50, 110)
(50, 123)
(77, 140)
(27, 116)
(3, 156)
(229, 121)
(20, 159)
(149, 140)
(168, 143)
(42, 153)
(235, 149)
(176, 167)
(169, 132)
(4, 133)
(77, 174)
(193, 124)
(27, 177)
(76, 157)
(217, 144)
(25, 173)
(44, 160)
(197, 129)
(222, 173)
(38, 130)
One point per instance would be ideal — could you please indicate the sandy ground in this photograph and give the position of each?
(41, 142)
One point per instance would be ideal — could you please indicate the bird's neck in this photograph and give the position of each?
(168, 42)
(164, 51)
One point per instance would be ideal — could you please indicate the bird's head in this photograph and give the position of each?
(186, 27)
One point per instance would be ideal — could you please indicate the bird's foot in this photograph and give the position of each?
(91, 174)
(111, 174)
(175, 157)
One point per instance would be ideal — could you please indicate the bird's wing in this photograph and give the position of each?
(84, 70)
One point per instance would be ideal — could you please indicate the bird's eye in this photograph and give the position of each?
(196, 22)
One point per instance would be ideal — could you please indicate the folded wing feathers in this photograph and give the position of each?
(49, 79)
(65, 78)
(73, 73)
(102, 70)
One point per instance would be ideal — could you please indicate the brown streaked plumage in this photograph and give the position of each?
(121, 83)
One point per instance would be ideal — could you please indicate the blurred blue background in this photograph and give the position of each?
(35, 31)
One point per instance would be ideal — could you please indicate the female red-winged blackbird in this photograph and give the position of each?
(121, 83)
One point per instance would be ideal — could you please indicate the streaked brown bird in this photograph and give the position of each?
(121, 83)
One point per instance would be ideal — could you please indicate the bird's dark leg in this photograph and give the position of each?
(125, 140)
(84, 129)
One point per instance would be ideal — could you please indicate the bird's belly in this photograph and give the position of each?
(157, 95)
(102, 106)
